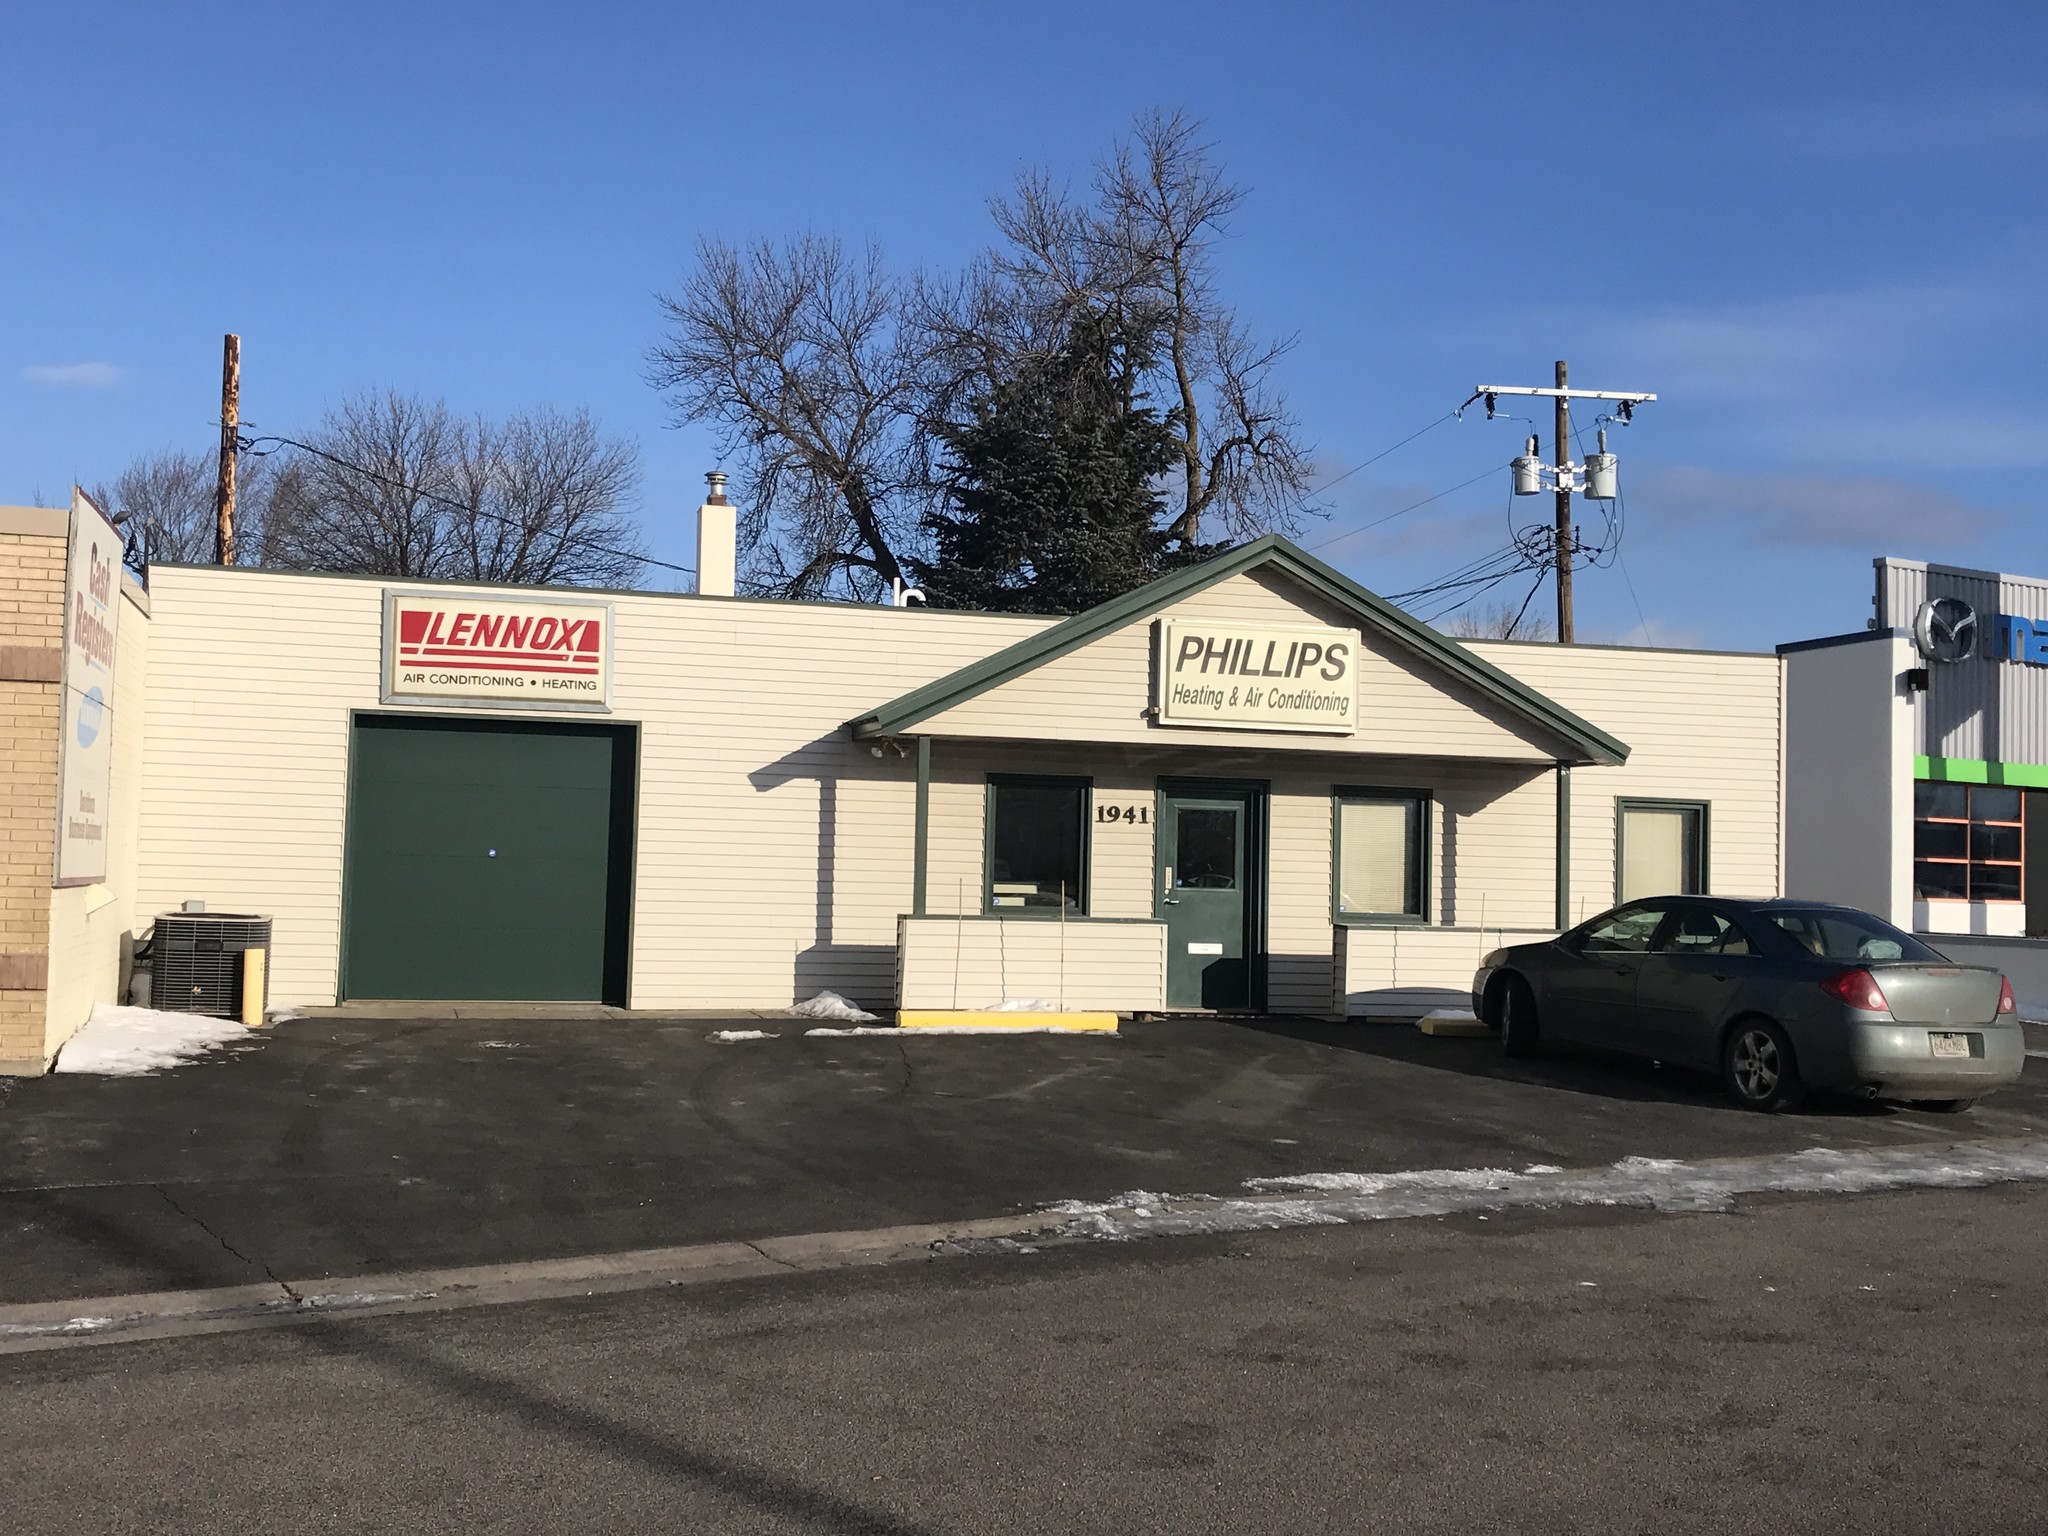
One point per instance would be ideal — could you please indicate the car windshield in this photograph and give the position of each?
(1851, 936)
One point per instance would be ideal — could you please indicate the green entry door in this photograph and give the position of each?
(1205, 865)
(488, 860)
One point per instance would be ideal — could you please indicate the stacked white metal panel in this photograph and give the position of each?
(1983, 707)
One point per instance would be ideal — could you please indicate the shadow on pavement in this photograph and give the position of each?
(1569, 1069)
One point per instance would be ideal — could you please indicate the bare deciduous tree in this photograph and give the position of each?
(399, 486)
(1500, 621)
(164, 504)
(835, 383)
(802, 353)
(1144, 249)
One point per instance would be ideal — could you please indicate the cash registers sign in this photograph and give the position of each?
(1258, 677)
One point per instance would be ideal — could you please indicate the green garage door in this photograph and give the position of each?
(488, 860)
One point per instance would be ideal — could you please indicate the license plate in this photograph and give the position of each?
(1949, 1045)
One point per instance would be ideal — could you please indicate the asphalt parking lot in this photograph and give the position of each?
(340, 1147)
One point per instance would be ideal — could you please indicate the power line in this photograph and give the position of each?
(1412, 506)
(1354, 469)
(248, 445)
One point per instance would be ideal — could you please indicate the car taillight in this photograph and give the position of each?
(2005, 1001)
(1859, 989)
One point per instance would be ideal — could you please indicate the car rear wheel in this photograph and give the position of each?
(1516, 1015)
(1945, 1106)
(1758, 1066)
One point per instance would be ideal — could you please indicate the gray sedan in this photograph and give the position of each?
(1778, 997)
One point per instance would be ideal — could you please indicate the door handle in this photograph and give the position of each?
(1169, 901)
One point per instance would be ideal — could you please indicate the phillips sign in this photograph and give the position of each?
(1257, 677)
(467, 648)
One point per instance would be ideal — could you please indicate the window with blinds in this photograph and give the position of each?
(1660, 849)
(1382, 840)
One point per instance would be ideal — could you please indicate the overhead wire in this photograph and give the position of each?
(248, 445)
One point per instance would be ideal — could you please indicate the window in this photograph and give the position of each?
(1696, 931)
(1382, 854)
(1840, 935)
(1626, 932)
(1660, 848)
(1037, 846)
(1967, 842)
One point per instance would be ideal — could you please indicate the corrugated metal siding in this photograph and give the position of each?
(1101, 692)
(982, 962)
(1981, 707)
(1699, 726)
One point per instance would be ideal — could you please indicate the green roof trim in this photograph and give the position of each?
(1374, 613)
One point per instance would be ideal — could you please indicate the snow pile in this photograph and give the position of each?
(1024, 1005)
(1654, 1183)
(830, 1005)
(741, 1034)
(129, 1042)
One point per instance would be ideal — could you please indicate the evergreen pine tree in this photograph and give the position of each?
(1054, 487)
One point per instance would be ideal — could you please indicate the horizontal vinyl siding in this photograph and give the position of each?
(1699, 727)
(1102, 691)
(980, 963)
(773, 855)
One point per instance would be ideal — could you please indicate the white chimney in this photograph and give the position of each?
(717, 541)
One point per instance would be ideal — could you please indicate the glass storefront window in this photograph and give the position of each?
(1037, 836)
(1382, 840)
(1661, 849)
(1969, 842)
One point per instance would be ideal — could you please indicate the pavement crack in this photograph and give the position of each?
(228, 1247)
(771, 1258)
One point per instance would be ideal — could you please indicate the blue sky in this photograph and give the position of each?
(1815, 230)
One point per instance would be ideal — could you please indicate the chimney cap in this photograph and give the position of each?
(716, 480)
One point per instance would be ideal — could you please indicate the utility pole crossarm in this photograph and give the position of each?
(1638, 396)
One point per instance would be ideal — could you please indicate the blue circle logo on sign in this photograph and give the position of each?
(91, 709)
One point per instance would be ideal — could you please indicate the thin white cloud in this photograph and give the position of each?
(1867, 513)
(74, 375)
(1896, 376)
(1854, 131)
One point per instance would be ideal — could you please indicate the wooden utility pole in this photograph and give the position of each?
(1561, 456)
(230, 435)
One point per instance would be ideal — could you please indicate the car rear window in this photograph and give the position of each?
(1851, 936)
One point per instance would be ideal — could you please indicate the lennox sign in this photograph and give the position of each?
(1258, 677)
(463, 648)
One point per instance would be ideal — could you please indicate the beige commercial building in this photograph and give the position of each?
(1249, 785)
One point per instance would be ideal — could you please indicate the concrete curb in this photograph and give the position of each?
(39, 1325)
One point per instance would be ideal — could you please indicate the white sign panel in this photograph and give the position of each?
(85, 752)
(1258, 677)
(466, 648)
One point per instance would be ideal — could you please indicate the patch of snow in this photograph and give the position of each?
(886, 1029)
(342, 1300)
(502, 1045)
(830, 1005)
(743, 1034)
(130, 1042)
(1661, 1184)
(281, 1015)
(45, 1330)
(1543, 1168)
(1024, 1005)
(1375, 1183)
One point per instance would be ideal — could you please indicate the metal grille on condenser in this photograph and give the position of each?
(195, 963)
